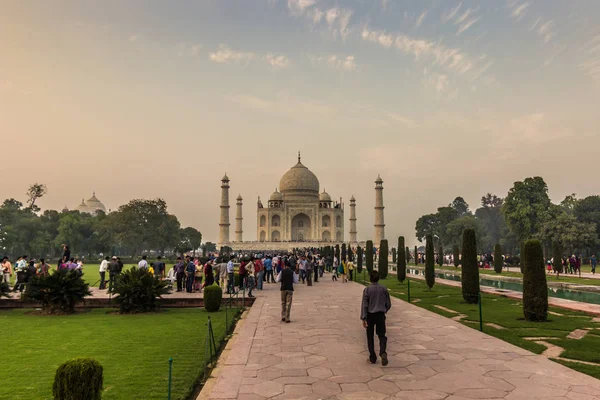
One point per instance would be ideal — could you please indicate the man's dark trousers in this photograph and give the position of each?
(230, 283)
(316, 273)
(376, 323)
(102, 280)
(112, 278)
(180, 276)
(189, 283)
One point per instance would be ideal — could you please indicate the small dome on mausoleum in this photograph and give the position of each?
(324, 196)
(276, 196)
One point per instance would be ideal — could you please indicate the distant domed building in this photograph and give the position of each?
(91, 206)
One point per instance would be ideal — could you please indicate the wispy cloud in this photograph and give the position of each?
(420, 19)
(340, 63)
(336, 18)
(466, 20)
(192, 50)
(299, 7)
(519, 10)
(466, 25)
(286, 105)
(448, 15)
(591, 65)
(450, 58)
(439, 82)
(133, 38)
(543, 28)
(277, 61)
(225, 55)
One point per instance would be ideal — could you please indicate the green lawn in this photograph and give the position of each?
(507, 313)
(133, 349)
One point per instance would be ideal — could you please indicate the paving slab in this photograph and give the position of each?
(322, 354)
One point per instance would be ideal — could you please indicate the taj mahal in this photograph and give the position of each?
(297, 214)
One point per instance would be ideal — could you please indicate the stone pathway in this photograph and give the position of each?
(322, 355)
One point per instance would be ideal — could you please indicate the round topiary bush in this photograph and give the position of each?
(535, 287)
(78, 379)
(470, 270)
(213, 295)
(429, 262)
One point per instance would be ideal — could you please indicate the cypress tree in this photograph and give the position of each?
(535, 287)
(416, 254)
(394, 255)
(440, 256)
(401, 260)
(337, 252)
(383, 259)
(498, 261)
(429, 262)
(407, 255)
(470, 270)
(343, 252)
(557, 255)
(359, 256)
(456, 255)
(369, 256)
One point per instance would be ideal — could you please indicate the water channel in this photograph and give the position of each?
(569, 294)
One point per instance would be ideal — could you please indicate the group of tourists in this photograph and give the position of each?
(24, 269)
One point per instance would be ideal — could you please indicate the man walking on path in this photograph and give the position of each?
(179, 270)
(309, 271)
(113, 270)
(103, 268)
(190, 273)
(230, 277)
(288, 278)
(375, 304)
(250, 278)
(143, 264)
(594, 262)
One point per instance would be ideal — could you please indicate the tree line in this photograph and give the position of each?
(525, 213)
(138, 226)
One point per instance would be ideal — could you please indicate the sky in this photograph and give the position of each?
(442, 98)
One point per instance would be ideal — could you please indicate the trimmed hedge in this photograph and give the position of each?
(535, 287)
(394, 255)
(469, 277)
(359, 261)
(401, 260)
(456, 256)
(78, 379)
(407, 255)
(416, 253)
(369, 256)
(382, 265)
(344, 254)
(498, 261)
(213, 296)
(429, 262)
(557, 255)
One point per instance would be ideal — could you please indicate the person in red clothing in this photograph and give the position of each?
(242, 274)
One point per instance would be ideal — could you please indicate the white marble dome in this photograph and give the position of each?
(299, 178)
(324, 196)
(95, 205)
(276, 196)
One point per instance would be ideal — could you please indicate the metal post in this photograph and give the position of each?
(408, 285)
(170, 376)
(480, 312)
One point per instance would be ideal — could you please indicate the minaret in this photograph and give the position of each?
(224, 221)
(379, 224)
(353, 231)
(238, 220)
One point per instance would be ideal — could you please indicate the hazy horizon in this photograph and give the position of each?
(158, 99)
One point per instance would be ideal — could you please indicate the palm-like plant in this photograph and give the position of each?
(139, 291)
(58, 292)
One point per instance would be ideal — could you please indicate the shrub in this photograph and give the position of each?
(535, 287)
(470, 270)
(138, 291)
(401, 260)
(498, 261)
(58, 292)
(369, 256)
(440, 256)
(416, 253)
(407, 255)
(382, 265)
(456, 255)
(213, 295)
(429, 262)
(359, 261)
(78, 379)
(557, 255)
(4, 289)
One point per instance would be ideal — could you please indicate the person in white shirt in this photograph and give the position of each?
(230, 277)
(103, 268)
(143, 263)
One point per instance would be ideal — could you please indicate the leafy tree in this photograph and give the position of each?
(190, 239)
(456, 255)
(429, 262)
(470, 269)
(498, 260)
(208, 247)
(416, 253)
(401, 260)
(525, 207)
(535, 287)
(455, 229)
(359, 261)
(383, 259)
(460, 206)
(35, 192)
(563, 227)
(369, 256)
(440, 256)
(492, 221)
